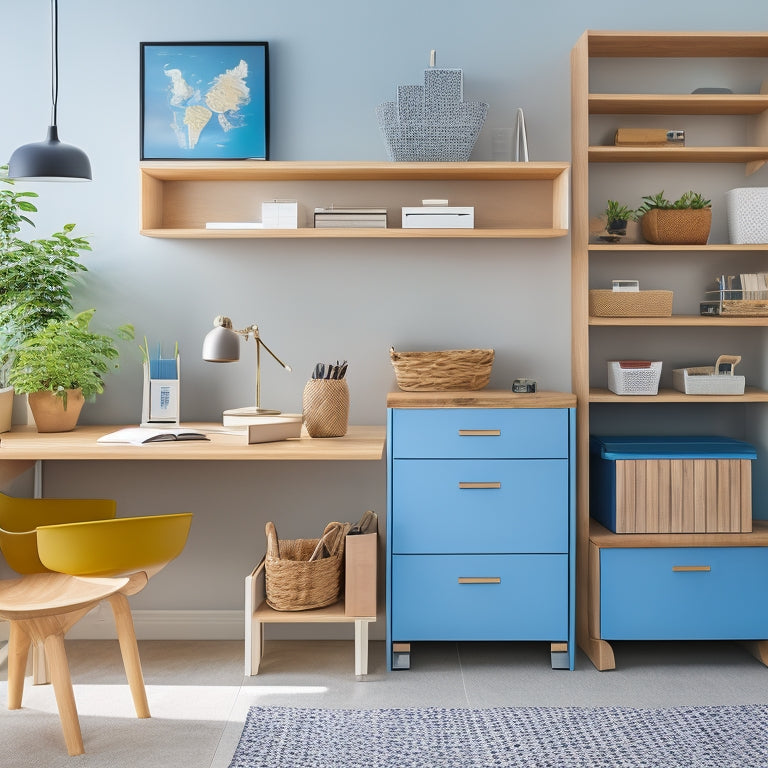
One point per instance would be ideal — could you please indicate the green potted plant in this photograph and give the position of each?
(63, 365)
(686, 221)
(618, 216)
(36, 277)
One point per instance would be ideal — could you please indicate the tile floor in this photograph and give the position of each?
(199, 696)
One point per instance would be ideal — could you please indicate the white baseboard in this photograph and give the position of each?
(163, 625)
(194, 625)
(157, 625)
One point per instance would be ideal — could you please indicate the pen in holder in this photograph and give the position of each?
(160, 401)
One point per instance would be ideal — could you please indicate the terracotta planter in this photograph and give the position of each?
(50, 414)
(326, 407)
(6, 409)
(677, 226)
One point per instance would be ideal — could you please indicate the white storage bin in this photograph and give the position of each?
(747, 209)
(634, 377)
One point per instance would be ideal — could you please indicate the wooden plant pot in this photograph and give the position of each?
(50, 414)
(677, 226)
(326, 407)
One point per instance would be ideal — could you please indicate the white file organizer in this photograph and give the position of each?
(161, 400)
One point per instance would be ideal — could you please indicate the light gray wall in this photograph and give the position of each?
(331, 63)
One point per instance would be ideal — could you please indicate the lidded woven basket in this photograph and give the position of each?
(442, 370)
(296, 583)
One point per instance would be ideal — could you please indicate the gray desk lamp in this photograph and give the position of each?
(222, 345)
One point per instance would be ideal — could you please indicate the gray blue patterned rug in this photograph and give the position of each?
(505, 737)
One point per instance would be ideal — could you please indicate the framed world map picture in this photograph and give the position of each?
(204, 101)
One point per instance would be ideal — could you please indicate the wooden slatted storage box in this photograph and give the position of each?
(671, 484)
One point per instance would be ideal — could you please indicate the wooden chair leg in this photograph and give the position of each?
(65, 696)
(130, 652)
(18, 651)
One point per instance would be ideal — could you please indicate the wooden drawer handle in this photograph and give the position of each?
(479, 485)
(479, 433)
(690, 568)
(479, 579)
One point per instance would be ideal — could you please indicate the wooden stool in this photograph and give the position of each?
(41, 608)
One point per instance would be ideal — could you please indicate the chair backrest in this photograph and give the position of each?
(114, 547)
(19, 519)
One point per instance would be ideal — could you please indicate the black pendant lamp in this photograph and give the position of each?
(50, 160)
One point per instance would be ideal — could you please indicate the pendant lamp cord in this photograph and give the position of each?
(54, 59)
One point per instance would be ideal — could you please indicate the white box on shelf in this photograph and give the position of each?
(439, 217)
(280, 214)
(634, 377)
(747, 210)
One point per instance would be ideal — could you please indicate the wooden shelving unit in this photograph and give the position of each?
(512, 200)
(751, 107)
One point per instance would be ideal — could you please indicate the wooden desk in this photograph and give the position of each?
(21, 447)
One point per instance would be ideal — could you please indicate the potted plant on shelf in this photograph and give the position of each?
(617, 217)
(63, 365)
(686, 221)
(36, 277)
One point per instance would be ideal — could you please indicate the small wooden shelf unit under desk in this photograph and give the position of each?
(258, 613)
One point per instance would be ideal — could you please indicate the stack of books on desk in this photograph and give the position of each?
(350, 217)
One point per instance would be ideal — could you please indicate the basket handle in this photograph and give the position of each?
(733, 360)
(273, 545)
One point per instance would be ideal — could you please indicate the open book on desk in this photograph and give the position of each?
(141, 435)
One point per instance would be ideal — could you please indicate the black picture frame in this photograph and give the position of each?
(204, 101)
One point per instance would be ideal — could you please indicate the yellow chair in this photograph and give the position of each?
(70, 567)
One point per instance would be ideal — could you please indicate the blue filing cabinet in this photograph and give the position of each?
(480, 523)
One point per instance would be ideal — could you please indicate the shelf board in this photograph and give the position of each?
(751, 395)
(605, 538)
(713, 247)
(359, 232)
(677, 104)
(611, 154)
(679, 320)
(279, 170)
(624, 45)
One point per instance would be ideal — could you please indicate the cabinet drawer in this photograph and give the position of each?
(683, 593)
(479, 506)
(471, 433)
(516, 597)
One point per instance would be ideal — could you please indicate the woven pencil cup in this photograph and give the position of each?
(326, 407)
(296, 583)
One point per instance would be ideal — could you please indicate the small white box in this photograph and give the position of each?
(439, 217)
(280, 214)
(747, 209)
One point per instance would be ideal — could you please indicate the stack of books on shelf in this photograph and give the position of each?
(337, 216)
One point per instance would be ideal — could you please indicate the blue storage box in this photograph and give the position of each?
(699, 484)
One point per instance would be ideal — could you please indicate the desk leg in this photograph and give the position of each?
(361, 646)
(40, 672)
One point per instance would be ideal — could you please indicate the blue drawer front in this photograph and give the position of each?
(643, 598)
(530, 602)
(524, 433)
(433, 514)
